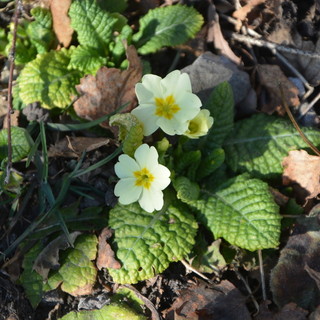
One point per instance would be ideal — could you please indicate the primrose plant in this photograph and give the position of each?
(170, 105)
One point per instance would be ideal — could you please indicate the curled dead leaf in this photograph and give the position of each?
(61, 21)
(106, 256)
(109, 89)
(73, 147)
(304, 170)
(271, 77)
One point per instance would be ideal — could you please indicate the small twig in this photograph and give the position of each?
(309, 106)
(192, 269)
(263, 280)
(274, 47)
(10, 109)
(256, 304)
(294, 122)
(148, 303)
(256, 35)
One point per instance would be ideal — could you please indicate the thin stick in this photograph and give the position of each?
(192, 269)
(148, 303)
(294, 122)
(10, 109)
(254, 301)
(263, 280)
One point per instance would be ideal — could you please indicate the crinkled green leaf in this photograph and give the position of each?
(113, 311)
(25, 50)
(20, 140)
(40, 30)
(93, 25)
(259, 144)
(3, 41)
(242, 212)
(118, 50)
(113, 5)
(77, 272)
(221, 107)
(86, 59)
(48, 80)
(210, 163)
(130, 131)
(186, 190)
(167, 26)
(147, 242)
(187, 163)
(32, 281)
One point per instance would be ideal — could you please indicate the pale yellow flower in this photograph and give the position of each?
(167, 103)
(200, 125)
(142, 179)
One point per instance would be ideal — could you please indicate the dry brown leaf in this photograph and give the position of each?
(215, 35)
(106, 255)
(61, 21)
(302, 169)
(200, 301)
(242, 12)
(271, 77)
(109, 89)
(73, 147)
(49, 256)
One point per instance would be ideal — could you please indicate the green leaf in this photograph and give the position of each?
(167, 26)
(243, 212)
(48, 80)
(32, 281)
(259, 144)
(187, 160)
(20, 140)
(113, 311)
(40, 30)
(210, 163)
(86, 59)
(186, 190)
(118, 50)
(112, 5)
(25, 50)
(93, 25)
(147, 242)
(221, 107)
(130, 131)
(77, 272)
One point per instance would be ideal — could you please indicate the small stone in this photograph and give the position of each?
(209, 70)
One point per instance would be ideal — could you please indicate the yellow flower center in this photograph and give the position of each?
(144, 178)
(166, 107)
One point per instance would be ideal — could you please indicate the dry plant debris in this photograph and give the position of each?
(61, 21)
(272, 78)
(109, 89)
(302, 169)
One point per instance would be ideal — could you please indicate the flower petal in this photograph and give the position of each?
(190, 106)
(162, 177)
(151, 82)
(151, 200)
(170, 82)
(127, 191)
(125, 167)
(146, 157)
(146, 115)
(172, 126)
(181, 84)
(143, 94)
